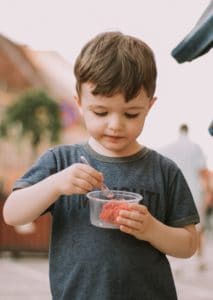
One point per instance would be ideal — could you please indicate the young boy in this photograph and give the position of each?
(116, 77)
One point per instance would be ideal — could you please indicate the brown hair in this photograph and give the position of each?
(116, 63)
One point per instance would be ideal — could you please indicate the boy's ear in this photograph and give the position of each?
(152, 101)
(78, 102)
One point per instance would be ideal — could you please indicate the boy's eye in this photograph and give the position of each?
(101, 114)
(131, 116)
(127, 115)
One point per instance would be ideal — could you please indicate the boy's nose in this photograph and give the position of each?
(115, 123)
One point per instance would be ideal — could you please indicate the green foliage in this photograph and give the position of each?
(34, 115)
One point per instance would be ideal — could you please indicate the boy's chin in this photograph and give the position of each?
(110, 149)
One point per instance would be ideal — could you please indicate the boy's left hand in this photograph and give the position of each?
(138, 221)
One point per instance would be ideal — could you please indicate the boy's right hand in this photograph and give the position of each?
(78, 179)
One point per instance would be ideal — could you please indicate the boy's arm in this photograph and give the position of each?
(179, 242)
(27, 204)
(174, 241)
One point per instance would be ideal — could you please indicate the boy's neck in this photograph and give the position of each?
(97, 147)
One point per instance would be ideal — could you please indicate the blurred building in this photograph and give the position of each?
(22, 68)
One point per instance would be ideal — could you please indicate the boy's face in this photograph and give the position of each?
(112, 123)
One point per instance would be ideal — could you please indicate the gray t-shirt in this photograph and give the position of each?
(91, 263)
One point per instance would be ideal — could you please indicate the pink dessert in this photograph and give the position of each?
(110, 210)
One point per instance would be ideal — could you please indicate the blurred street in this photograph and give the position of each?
(192, 281)
(26, 278)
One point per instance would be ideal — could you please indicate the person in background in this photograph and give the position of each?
(192, 161)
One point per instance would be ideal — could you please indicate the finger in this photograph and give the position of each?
(139, 207)
(133, 215)
(83, 185)
(91, 172)
(89, 176)
(80, 190)
(130, 223)
(129, 230)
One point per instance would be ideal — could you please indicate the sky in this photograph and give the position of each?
(184, 91)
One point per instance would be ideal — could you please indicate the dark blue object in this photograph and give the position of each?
(211, 128)
(199, 40)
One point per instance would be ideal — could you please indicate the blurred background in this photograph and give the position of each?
(39, 41)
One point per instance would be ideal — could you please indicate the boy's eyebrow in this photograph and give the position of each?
(93, 106)
(97, 106)
(136, 107)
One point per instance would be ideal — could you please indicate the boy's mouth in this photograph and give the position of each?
(113, 138)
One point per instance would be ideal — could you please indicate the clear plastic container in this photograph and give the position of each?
(104, 211)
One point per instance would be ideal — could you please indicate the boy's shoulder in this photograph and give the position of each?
(66, 148)
(64, 153)
(162, 165)
(163, 159)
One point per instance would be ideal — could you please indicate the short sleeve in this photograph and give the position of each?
(42, 168)
(181, 209)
